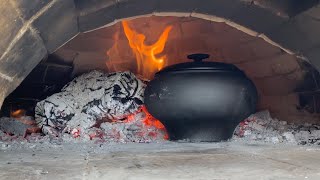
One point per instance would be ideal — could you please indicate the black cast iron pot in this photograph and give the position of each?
(200, 101)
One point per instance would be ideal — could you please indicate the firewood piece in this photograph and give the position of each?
(88, 99)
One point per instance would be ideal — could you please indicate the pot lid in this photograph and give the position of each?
(199, 64)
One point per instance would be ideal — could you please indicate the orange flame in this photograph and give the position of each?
(147, 62)
(148, 120)
(18, 113)
(113, 52)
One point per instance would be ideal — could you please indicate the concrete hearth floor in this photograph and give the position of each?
(168, 160)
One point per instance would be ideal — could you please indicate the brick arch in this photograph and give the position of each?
(32, 30)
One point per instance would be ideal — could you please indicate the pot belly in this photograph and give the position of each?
(201, 107)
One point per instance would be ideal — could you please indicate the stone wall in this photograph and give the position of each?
(32, 30)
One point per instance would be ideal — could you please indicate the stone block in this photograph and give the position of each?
(4, 87)
(314, 12)
(250, 51)
(297, 34)
(130, 8)
(10, 24)
(256, 18)
(196, 26)
(280, 84)
(85, 7)
(284, 64)
(178, 5)
(278, 65)
(30, 8)
(58, 24)
(286, 8)
(224, 9)
(27, 52)
(286, 104)
(95, 14)
(313, 56)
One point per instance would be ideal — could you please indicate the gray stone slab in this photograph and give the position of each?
(4, 86)
(224, 9)
(129, 8)
(30, 8)
(85, 7)
(313, 55)
(298, 33)
(288, 8)
(259, 19)
(219, 8)
(96, 14)
(314, 12)
(178, 5)
(27, 52)
(58, 24)
(10, 24)
(161, 161)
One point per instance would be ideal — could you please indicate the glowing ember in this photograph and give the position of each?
(75, 133)
(147, 62)
(18, 113)
(149, 120)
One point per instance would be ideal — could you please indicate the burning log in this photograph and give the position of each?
(107, 106)
(87, 99)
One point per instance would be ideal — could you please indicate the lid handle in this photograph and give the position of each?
(198, 57)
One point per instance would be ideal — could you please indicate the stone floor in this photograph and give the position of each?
(230, 160)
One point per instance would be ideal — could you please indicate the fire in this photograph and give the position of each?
(18, 113)
(149, 120)
(113, 52)
(147, 62)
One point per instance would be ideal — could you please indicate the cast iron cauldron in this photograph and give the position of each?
(200, 101)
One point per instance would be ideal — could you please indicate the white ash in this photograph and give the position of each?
(89, 98)
(262, 127)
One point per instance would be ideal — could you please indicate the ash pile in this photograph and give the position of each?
(261, 127)
(100, 107)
